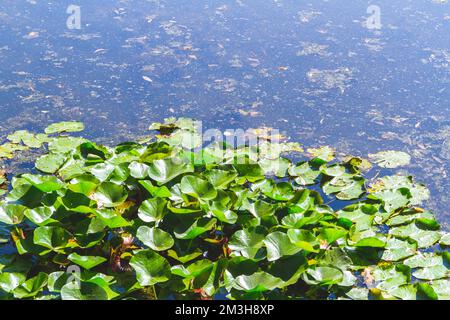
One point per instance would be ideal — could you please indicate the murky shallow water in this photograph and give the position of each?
(309, 68)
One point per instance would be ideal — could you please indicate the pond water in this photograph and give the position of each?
(315, 70)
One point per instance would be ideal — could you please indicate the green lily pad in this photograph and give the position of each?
(65, 126)
(11, 213)
(247, 241)
(198, 188)
(87, 262)
(155, 238)
(390, 159)
(152, 210)
(109, 194)
(279, 245)
(257, 282)
(165, 170)
(150, 267)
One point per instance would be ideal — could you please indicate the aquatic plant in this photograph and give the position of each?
(165, 218)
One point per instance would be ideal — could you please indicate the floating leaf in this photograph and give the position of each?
(65, 126)
(150, 267)
(155, 238)
(390, 159)
(87, 262)
(279, 245)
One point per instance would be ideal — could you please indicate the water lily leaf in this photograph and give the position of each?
(31, 287)
(71, 168)
(441, 289)
(11, 280)
(7, 150)
(221, 211)
(257, 282)
(304, 239)
(152, 210)
(330, 235)
(150, 267)
(50, 163)
(109, 194)
(424, 238)
(112, 219)
(279, 245)
(193, 270)
(361, 214)
(247, 241)
(138, 170)
(259, 208)
(432, 273)
(54, 238)
(345, 187)
(28, 139)
(198, 188)
(397, 249)
(390, 159)
(358, 294)
(445, 240)
(306, 173)
(165, 170)
(282, 191)
(156, 192)
(221, 178)
(44, 183)
(102, 171)
(11, 213)
(423, 260)
(77, 290)
(372, 242)
(392, 199)
(323, 153)
(155, 238)
(87, 262)
(323, 276)
(277, 167)
(419, 192)
(190, 230)
(334, 170)
(40, 216)
(249, 171)
(360, 164)
(65, 126)
(404, 292)
(65, 144)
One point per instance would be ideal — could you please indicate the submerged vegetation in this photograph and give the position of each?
(166, 218)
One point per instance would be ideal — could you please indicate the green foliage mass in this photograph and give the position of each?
(166, 219)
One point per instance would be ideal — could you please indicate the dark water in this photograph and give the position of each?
(310, 68)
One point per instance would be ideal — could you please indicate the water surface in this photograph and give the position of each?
(309, 68)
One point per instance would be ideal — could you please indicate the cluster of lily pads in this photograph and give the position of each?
(168, 218)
